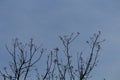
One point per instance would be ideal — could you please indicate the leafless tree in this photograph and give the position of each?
(60, 63)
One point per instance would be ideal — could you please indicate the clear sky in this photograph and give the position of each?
(44, 20)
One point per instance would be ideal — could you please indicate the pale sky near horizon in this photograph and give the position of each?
(46, 19)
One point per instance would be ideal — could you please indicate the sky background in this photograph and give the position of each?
(44, 20)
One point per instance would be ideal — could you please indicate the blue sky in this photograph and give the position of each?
(44, 20)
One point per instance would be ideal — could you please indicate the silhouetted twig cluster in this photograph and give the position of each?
(57, 67)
